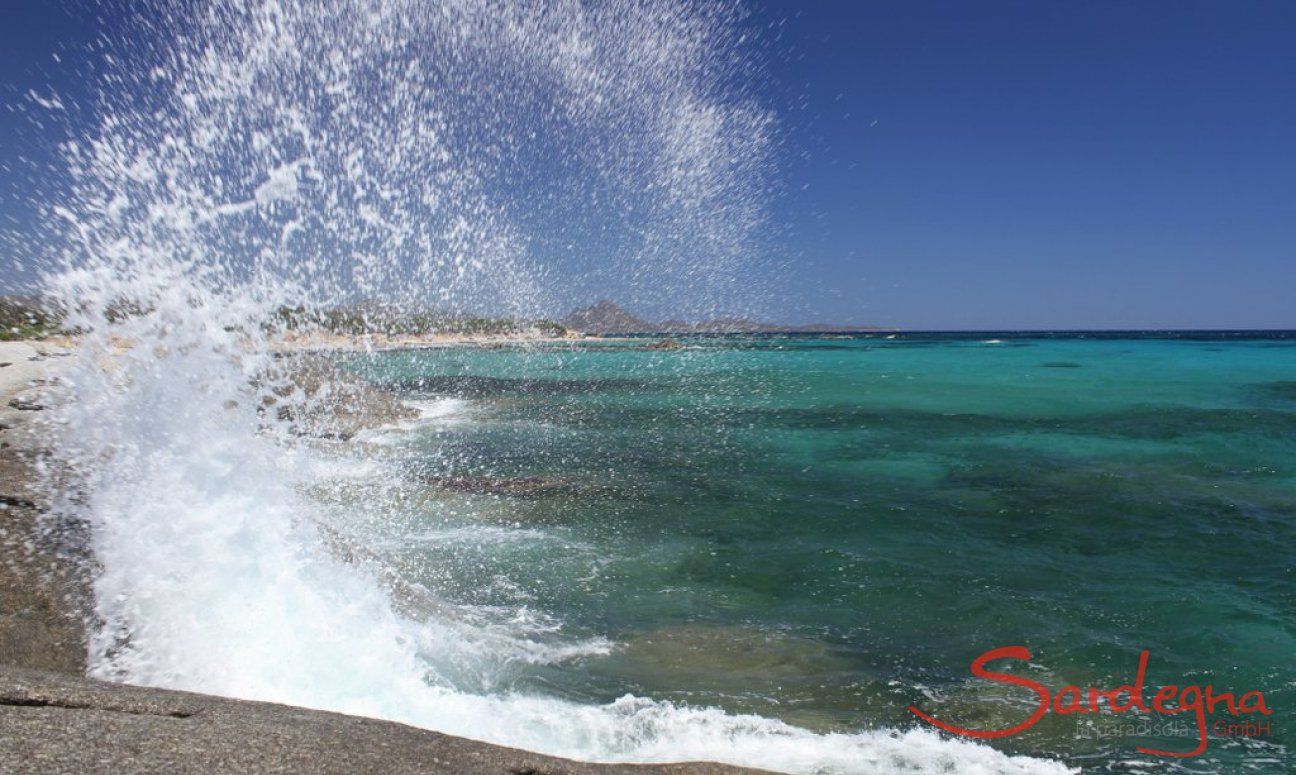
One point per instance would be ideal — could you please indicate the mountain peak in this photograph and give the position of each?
(605, 317)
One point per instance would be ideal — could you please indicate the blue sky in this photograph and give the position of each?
(973, 164)
(1045, 164)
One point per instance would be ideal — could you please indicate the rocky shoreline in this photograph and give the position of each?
(53, 719)
(44, 594)
(52, 722)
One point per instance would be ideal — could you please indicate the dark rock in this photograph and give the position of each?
(18, 502)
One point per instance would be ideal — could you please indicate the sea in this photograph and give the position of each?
(826, 530)
(774, 551)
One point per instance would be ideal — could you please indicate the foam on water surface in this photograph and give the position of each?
(435, 413)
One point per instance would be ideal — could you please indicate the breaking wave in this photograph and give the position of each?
(257, 157)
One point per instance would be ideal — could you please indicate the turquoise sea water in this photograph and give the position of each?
(830, 529)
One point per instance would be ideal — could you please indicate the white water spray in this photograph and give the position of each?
(256, 155)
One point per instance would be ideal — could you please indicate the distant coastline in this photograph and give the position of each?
(607, 317)
(32, 317)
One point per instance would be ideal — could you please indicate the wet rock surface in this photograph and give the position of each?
(54, 723)
(44, 560)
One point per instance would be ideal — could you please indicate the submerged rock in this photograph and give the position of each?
(322, 401)
(1284, 389)
(742, 668)
(516, 487)
(665, 344)
(739, 656)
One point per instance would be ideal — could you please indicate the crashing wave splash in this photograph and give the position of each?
(260, 154)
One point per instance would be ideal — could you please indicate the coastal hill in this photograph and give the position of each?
(605, 317)
(608, 317)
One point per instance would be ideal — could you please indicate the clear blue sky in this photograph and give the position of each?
(1039, 164)
(1044, 164)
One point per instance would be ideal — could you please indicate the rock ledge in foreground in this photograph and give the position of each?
(57, 723)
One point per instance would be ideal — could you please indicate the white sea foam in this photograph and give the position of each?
(284, 153)
(215, 580)
(442, 409)
(434, 413)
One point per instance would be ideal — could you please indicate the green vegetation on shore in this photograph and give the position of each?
(362, 320)
(31, 317)
(27, 317)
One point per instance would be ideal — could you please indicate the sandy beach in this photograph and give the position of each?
(319, 341)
